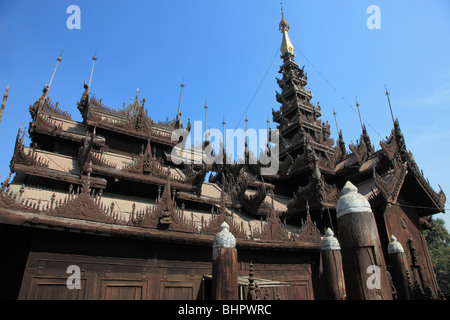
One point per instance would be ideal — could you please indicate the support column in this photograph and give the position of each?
(365, 272)
(224, 266)
(397, 257)
(332, 267)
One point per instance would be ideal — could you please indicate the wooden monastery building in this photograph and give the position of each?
(107, 196)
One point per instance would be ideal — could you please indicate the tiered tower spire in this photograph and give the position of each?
(298, 118)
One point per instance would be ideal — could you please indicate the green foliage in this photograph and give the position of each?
(438, 240)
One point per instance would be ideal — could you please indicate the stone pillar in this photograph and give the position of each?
(224, 266)
(332, 267)
(397, 257)
(365, 272)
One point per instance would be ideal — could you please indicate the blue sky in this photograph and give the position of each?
(227, 53)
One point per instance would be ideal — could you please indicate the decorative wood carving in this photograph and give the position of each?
(147, 164)
(21, 157)
(53, 110)
(309, 231)
(195, 177)
(395, 149)
(391, 185)
(252, 203)
(86, 148)
(213, 226)
(82, 206)
(364, 149)
(164, 215)
(273, 230)
(317, 191)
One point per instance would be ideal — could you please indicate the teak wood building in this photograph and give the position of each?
(106, 195)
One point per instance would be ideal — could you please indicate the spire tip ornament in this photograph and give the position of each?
(286, 44)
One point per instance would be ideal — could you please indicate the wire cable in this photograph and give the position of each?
(334, 88)
(256, 92)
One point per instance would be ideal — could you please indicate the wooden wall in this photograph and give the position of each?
(403, 222)
(124, 268)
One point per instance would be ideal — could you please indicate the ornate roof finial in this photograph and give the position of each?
(359, 113)
(286, 44)
(335, 119)
(54, 71)
(94, 58)
(284, 25)
(179, 105)
(390, 107)
(136, 99)
(206, 114)
(308, 214)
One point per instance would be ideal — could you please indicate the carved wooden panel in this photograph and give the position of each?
(123, 289)
(178, 290)
(120, 268)
(54, 288)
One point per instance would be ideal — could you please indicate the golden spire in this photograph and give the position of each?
(286, 44)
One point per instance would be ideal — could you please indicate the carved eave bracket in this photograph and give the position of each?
(85, 151)
(196, 177)
(253, 203)
(21, 157)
